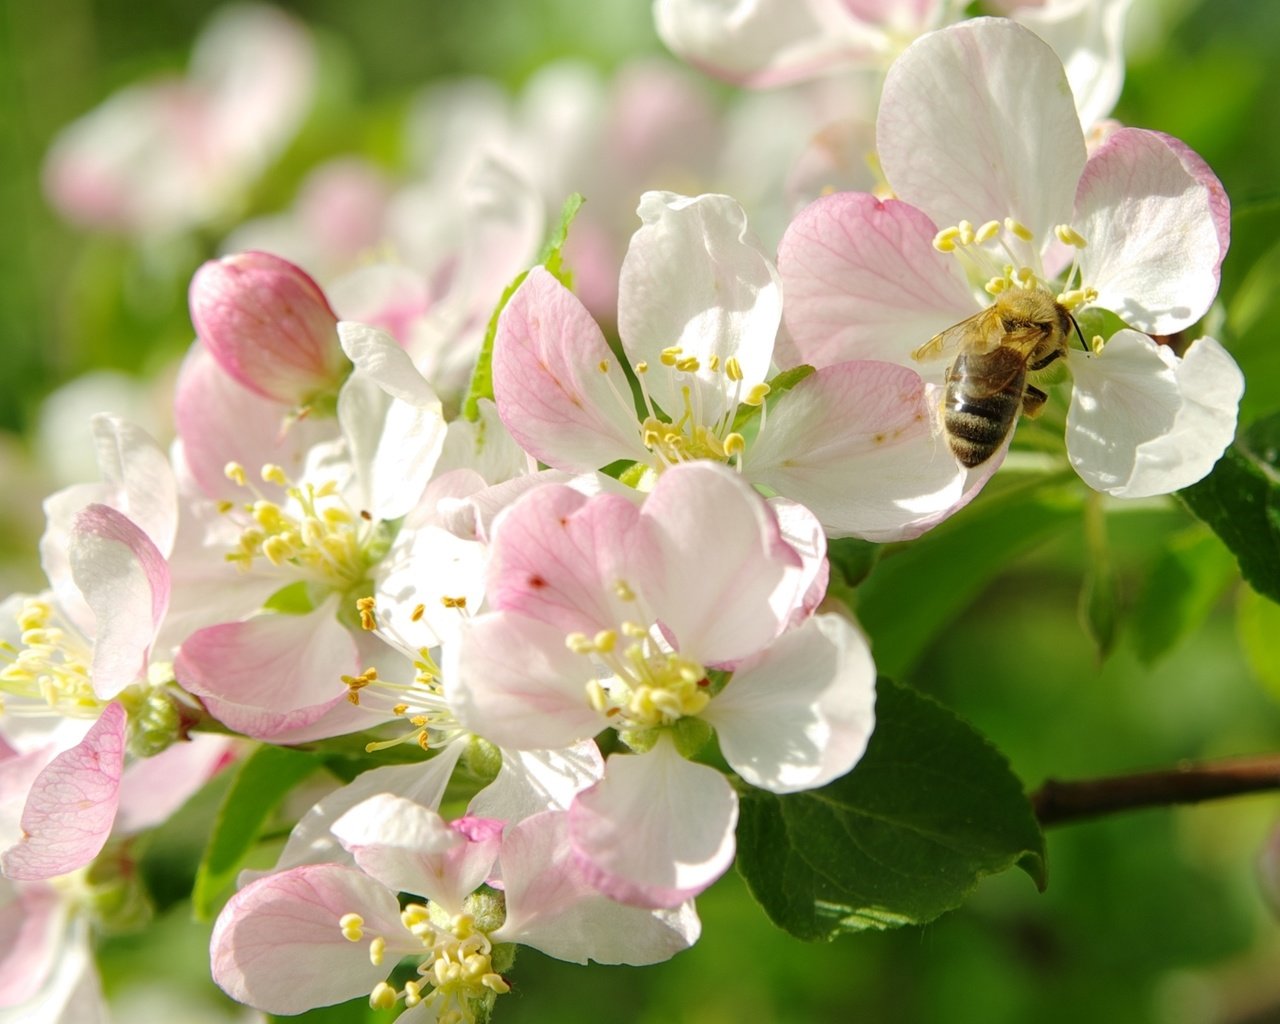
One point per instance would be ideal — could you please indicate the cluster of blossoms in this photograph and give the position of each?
(622, 554)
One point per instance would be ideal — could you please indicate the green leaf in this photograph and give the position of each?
(930, 809)
(1183, 586)
(780, 385)
(260, 784)
(853, 559)
(1100, 593)
(918, 588)
(1240, 501)
(552, 258)
(1258, 625)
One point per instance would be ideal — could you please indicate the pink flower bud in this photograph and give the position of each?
(269, 326)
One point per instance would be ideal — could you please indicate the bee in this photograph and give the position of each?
(1023, 332)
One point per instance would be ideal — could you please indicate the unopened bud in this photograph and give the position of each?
(269, 326)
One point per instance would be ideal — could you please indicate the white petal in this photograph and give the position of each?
(695, 277)
(657, 831)
(1143, 422)
(801, 714)
(977, 122)
(532, 781)
(1157, 222)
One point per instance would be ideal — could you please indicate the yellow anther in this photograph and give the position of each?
(225, 506)
(634, 630)
(235, 473)
(605, 640)
(713, 363)
(733, 368)
(377, 950)
(622, 591)
(1072, 298)
(670, 356)
(412, 993)
(454, 602)
(1068, 235)
(1025, 277)
(399, 709)
(335, 516)
(734, 444)
(1016, 227)
(988, 231)
(419, 610)
(597, 698)
(383, 997)
(996, 285)
(689, 364)
(1090, 294)
(945, 240)
(495, 983)
(276, 550)
(579, 643)
(1096, 343)
(641, 367)
(327, 490)
(965, 229)
(413, 914)
(273, 474)
(603, 366)
(352, 926)
(756, 394)
(367, 607)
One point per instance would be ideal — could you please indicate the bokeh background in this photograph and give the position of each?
(1151, 916)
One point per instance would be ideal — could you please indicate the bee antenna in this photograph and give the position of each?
(1079, 334)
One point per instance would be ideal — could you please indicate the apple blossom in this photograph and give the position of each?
(1139, 229)
(611, 615)
(322, 933)
(699, 310)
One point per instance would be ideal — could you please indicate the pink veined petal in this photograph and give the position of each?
(721, 560)
(1089, 37)
(125, 582)
(800, 715)
(72, 992)
(32, 919)
(547, 381)
(856, 444)
(760, 44)
(551, 907)
(137, 470)
(153, 788)
(977, 123)
(1157, 222)
(557, 555)
(18, 773)
(863, 280)
(218, 421)
(277, 945)
(532, 781)
(72, 804)
(696, 278)
(270, 673)
(802, 530)
(510, 679)
(657, 830)
(410, 848)
(1142, 422)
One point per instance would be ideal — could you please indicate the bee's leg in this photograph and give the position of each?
(1048, 358)
(1033, 400)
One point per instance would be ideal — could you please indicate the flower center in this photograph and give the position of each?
(314, 534)
(647, 685)
(455, 975)
(49, 672)
(1001, 256)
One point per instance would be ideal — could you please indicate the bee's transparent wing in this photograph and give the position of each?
(979, 333)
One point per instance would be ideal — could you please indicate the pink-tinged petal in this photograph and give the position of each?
(1143, 422)
(551, 907)
(277, 945)
(532, 781)
(657, 830)
(856, 443)
(802, 530)
(388, 296)
(977, 123)
(1089, 37)
(510, 679)
(269, 326)
(410, 848)
(125, 582)
(71, 992)
(18, 773)
(800, 715)
(547, 381)
(719, 560)
(219, 421)
(270, 673)
(863, 280)
(313, 842)
(557, 556)
(72, 804)
(838, 158)
(761, 44)
(1157, 222)
(32, 919)
(137, 470)
(153, 788)
(695, 277)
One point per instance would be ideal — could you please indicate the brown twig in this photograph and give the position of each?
(1057, 802)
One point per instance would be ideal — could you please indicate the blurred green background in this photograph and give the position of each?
(1151, 916)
